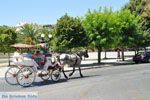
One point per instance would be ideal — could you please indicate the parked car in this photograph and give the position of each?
(142, 57)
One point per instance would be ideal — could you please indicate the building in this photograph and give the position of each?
(19, 25)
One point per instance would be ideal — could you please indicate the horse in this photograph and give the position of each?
(82, 54)
(73, 60)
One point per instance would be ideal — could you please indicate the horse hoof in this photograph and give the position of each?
(67, 78)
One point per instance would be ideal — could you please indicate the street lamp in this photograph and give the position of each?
(42, 36)
(50, 36)
(46, 41)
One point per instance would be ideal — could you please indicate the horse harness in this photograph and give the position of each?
(76, 59)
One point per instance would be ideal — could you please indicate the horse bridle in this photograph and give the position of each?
(79, 56)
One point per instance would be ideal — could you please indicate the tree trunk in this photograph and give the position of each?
(8, 59)
(135, 51)
(145, 49)
(105, 54)
(118, 54)
(122, 51)
(99, 54)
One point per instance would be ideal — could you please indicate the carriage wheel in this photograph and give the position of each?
(26, 76)
(10, 75)
(45, 77)
(55, 75)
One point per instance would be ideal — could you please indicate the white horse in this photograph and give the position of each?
(73, 60)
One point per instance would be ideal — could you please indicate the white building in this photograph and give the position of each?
(19, 25)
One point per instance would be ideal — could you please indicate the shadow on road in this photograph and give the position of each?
(72, 78)
(50, 82)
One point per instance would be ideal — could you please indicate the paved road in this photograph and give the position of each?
(130, 82)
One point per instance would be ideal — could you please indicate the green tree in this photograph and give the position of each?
(7, 37)
(127, 25)
(28, 33)
(143, 33)
(100, 26)
(138, 7)
(69, 33)
(141, 8)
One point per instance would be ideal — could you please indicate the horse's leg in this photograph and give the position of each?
(64, 73)
(80, 71)
(72, 71)
(58, 58)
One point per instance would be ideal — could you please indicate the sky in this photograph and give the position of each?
(48, 11)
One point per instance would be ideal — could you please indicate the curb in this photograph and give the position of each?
(86, 68)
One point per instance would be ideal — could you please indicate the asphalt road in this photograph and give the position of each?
(126, 82)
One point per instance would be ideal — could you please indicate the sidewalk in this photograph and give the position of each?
(89, 64)
(85, 64)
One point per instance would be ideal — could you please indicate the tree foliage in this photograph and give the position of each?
(143, 33)
(7, 37)
(127, 25)
(101, 28)
(69, 33)
(28, 34)
(141, 8)
(127, 34)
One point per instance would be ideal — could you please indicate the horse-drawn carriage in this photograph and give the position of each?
(24, 70)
